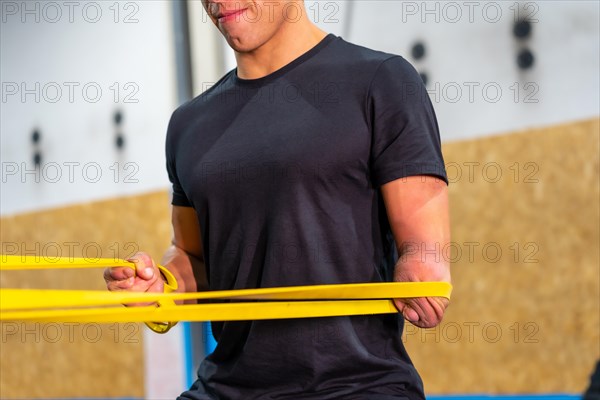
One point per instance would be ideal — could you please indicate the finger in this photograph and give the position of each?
(421, 307)
(144, 265)
(139, 285)
(406, 310)
(430, 310)
(427, 313)
(120, 285)
(118, 274)
(439, 305)
(133, 284)
(410, 314)
(423, 312)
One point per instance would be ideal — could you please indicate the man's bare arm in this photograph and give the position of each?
(417, 208)
(184, 259)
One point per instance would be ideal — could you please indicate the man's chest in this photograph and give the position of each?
(264, 143)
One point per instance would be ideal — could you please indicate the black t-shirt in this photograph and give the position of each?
(283, 172)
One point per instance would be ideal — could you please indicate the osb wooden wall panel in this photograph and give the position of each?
(78, 360)
(525, 320)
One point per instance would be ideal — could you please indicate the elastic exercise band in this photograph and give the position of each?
(257, 304)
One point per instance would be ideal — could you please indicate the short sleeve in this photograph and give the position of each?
(179, 196)
(405, 134)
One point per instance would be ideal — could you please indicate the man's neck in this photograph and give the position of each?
(293, 40)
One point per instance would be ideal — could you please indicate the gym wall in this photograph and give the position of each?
(524, 313)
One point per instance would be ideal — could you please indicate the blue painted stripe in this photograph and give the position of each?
(210, 342)
(188, 354)
(542, 396)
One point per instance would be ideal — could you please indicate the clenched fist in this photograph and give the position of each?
(145, 278)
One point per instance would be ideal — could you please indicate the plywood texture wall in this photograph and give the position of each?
(81, 360)
(525, 311)
(525, 321)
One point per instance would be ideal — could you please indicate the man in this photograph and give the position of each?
(315, 161)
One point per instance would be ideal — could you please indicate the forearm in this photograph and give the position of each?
(189, 270)
(422, 254)
(417, 208)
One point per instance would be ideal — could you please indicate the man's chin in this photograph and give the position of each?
(240, 46)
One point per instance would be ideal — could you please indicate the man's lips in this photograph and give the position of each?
(229, 15)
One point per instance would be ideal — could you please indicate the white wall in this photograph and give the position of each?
(54, 46)
(563, 85)
(474, 82)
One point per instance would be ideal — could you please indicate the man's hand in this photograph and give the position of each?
(145, 278)
(424, 312)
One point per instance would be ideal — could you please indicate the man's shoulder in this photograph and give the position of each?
(188, 112)
(359, 60)
(191, 106)
(361, 52)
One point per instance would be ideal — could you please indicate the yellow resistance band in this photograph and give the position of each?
(235, 305)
